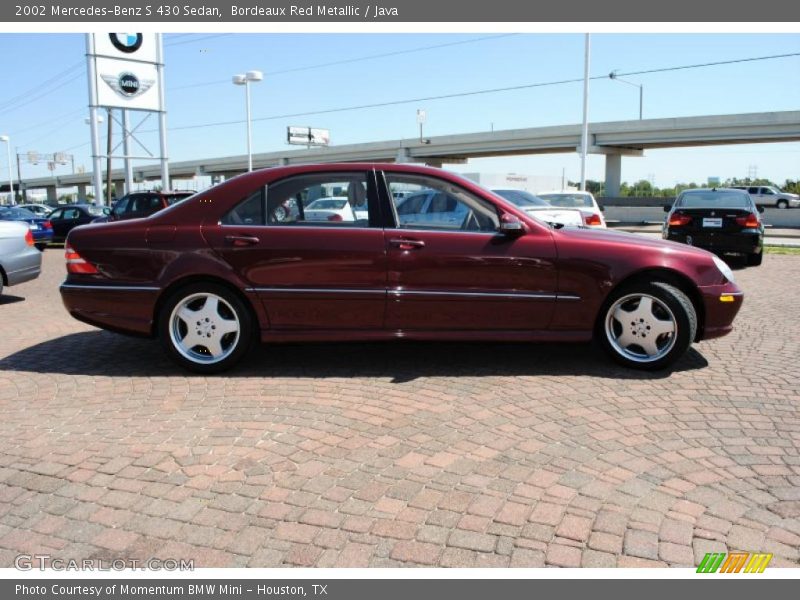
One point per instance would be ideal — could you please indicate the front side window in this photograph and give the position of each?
(249, 212)
(436, 204)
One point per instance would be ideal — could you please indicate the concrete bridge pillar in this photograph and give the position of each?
(613, 175)
(119, 189)
(52, 195)
(81, 192)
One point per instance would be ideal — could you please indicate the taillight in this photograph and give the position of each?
(679, 220)
(336, 218)
(29, 237)
(76, 263)
(592, 220)
(47, 225)
(749, 221)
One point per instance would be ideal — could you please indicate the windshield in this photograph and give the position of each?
(16, 214)
(173, 198)
(331, 204)
(712, 199)
(568, 200)
(98, 211)
(521, 198)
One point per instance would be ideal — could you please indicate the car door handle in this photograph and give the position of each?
(241, 240)
(405, 244)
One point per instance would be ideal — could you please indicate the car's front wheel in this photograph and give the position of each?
(782, 204)
(647, 325)
(205, 327)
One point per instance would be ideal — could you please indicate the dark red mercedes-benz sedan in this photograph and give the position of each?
(381, 251)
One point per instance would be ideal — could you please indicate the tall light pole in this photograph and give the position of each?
(7, 140)
(245, 80)
(613, 75)
(585, 128)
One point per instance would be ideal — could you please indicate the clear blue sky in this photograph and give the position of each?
(50, 118)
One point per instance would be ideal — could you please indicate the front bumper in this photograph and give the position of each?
(721, 304)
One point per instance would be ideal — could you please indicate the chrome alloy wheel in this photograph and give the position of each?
(204, 328)
(641, 328)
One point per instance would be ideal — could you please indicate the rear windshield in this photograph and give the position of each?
(14, 214)
(711, 199)
(568, 200)
(334, 204)
(97, 211)
(520, 198)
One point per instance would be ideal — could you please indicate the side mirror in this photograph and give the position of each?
(760, 208)
(667, 208)
(602, 207)
(510, 225)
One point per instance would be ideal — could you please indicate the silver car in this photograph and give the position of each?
(20, 261)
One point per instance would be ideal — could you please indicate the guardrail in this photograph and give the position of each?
(651, 210)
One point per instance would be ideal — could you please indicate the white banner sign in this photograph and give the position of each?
(127, 84)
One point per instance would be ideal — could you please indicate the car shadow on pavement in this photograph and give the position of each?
(6, 299)
(101, 353)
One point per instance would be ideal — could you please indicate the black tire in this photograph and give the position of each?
(41, 247)
(782, 204)
(192, 360)
(684, 317)
(753, 260)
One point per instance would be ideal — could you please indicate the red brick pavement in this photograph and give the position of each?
(406, 454)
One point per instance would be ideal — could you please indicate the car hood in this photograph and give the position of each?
(633, 239)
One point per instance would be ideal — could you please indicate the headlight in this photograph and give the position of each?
(724, 269)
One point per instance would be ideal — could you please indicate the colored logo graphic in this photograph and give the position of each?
(735, 562)
(126, 42)
(127, 84)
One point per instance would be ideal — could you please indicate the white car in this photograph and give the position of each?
(536, 207)
(584, 201)
(40, 210)
(334, 208)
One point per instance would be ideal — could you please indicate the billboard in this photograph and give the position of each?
(308, 136)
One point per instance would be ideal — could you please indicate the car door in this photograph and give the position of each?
(63, 220)
(457, 273)
(323, 274)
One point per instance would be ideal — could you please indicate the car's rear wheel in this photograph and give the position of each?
(647, 325)
(755, 259)
(205, 327)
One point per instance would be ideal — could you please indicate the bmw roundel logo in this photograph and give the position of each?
(128, 84)
(126, 42)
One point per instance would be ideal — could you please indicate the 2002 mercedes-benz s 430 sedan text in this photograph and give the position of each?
(242, 261)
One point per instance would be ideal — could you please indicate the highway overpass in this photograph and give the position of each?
(613, 139)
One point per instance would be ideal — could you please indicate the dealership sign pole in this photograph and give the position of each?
(126, 72)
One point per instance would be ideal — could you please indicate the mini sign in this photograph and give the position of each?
(308, 136)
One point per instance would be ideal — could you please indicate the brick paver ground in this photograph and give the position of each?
(409, 454)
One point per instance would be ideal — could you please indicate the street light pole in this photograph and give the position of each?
(613, 75)
(7, 140)
(245, 80)
(585, 129)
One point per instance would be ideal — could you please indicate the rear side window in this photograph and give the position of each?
(320, 199)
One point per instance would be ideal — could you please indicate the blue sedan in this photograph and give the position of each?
(41, 228)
